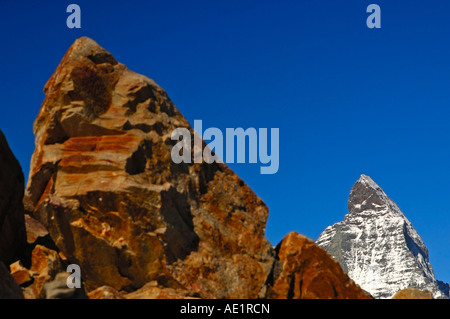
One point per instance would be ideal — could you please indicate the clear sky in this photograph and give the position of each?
(348, 100)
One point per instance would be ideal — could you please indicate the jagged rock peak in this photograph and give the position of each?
(103, 183)
(88, 48)
(366, 197)
(366, 180)
(377, 245)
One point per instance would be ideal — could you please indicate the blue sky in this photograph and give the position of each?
(348, 100)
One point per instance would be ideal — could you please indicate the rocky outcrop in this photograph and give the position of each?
(412, 293)
(46, 264)
(9, 289)
(21, 274)
(37, 234)
(12, 224)
(40, 262)
(302, 270)
(378, 246)
(103, 183)
(45, 277)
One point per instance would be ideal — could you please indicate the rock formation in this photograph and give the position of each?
(102, 181)
(378, 247)
(40, 261)
(104, 193)
(302, 270)
(12, 223)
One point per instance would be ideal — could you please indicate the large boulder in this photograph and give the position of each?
(103, 183)
(12, 224)
(303, 270)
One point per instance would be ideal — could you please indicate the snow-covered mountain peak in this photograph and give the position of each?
(367, 198)
(377, 245)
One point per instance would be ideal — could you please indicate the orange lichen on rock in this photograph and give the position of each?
(103, 183)
(305, 271)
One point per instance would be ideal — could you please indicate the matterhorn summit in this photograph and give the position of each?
(378, 247)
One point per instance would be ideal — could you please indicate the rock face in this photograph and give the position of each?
(40, 262)
(103, 183)
(378, 247)
(12, 224)
(302, 270)
(46, 264)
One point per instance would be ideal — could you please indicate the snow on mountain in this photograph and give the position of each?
(378, 247)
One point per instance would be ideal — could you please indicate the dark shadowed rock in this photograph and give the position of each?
(9, 289)
(12, 225)
(37, 234)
